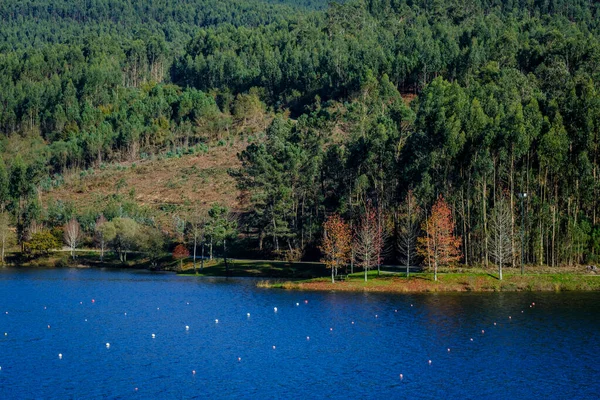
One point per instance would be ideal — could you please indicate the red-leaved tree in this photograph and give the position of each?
(439, 245)
(337, 244)
(179, 253)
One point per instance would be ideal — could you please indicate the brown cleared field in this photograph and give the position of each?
(199, 178)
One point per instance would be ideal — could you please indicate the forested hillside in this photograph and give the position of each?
(493, 106)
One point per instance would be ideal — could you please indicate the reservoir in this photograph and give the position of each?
(85, 333)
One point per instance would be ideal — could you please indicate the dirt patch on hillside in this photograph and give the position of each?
(199, 178)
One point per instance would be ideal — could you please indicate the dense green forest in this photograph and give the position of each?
(489, 103)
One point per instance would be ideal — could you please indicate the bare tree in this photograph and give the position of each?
(197, 232)
(368, 241)
(72, 235)
(408, 229)
(500, 234)
(100, 236)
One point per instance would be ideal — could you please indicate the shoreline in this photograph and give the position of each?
(448, 283)
(310, 276)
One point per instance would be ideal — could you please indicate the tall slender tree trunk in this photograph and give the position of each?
(554, 210)
(225, 257)
(195, 244)
(512, 212)
(202, 257)
(485, 231)
(464, 218)
(275, 239)
(501, 257)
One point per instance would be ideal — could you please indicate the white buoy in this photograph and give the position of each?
(395, 310)
(153, 336)
(158, 308)
(273, 347)
(60, 356)
(193, 372)
(401, 377)
(108, 345)
(448, 349)
(187, 328)
(5, 334)
(86, 320)
(216, 321)
(330, 329)
(494, 324)
(297, 304)
(248, 315)
(352, 322)
(239, 359)
(471, 339)
(376, 316)
(308, 338)
(275, 309)
(125, 313)
(482, 331)
(48, 326)
(429, 362)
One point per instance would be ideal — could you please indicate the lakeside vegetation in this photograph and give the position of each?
(471, 281)
(435, 133)
(313, 276)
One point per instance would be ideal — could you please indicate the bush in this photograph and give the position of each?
(41, 243)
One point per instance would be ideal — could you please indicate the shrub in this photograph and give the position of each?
(41, 243)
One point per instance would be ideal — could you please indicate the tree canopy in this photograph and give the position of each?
(343, 105)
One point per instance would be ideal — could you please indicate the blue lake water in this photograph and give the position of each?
(327, 345)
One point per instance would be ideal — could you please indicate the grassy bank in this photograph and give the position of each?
(473, 281)
(216, 267)
(258, 269)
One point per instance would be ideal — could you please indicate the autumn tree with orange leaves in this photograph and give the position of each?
(439, 245)
(337, 244)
